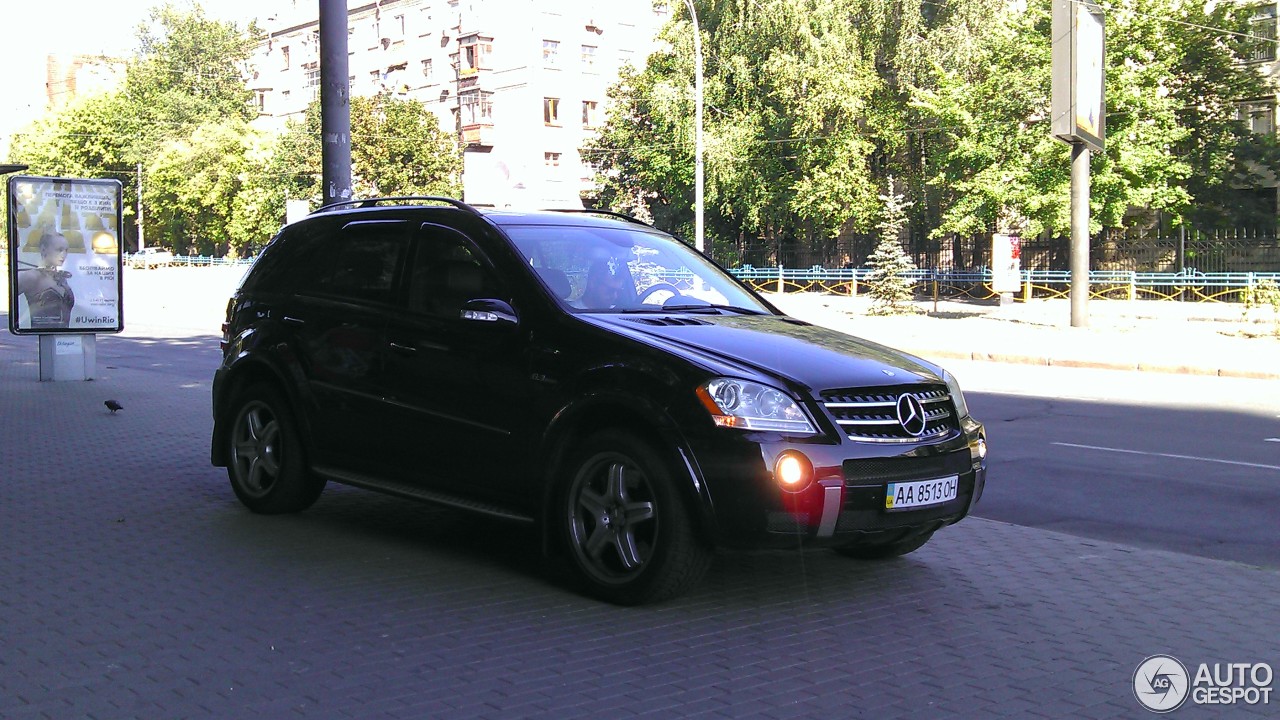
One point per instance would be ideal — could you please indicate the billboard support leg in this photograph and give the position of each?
(68, 357)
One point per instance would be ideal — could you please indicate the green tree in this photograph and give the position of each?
(195, 191)
(397, 148)
(187, 74)
(184, 75)
(787, 86)
(889, 283)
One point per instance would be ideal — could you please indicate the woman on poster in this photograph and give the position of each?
(49, 297)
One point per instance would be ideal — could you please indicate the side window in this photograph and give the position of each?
(357, 263)
(446, 273)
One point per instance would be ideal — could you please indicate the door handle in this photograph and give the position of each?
(294, 320)
(405, 349)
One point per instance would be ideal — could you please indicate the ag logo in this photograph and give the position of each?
(1161, 683)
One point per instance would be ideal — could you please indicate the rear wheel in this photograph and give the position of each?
(884, 551)
(266, 464)
(629, 531)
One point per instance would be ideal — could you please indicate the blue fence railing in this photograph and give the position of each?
(195, 260)
(976, 284)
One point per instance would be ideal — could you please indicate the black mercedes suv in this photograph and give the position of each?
(584, 372)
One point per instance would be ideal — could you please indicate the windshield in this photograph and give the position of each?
(622, 269)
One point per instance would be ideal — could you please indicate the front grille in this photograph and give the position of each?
(871, 414)
(877, 471)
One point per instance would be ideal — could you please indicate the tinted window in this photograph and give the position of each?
(447, 271)
(358, 262)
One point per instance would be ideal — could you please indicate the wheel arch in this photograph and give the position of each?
(246, 373)
(636, 415)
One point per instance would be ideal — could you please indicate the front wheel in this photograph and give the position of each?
(266, 465)
(629, 531)
(885, 551)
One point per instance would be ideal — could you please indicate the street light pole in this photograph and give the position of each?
(699, 229)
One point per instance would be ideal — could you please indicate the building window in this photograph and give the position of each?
(397, 27)
(1259, 116)
(626, 57)
(427, 69)
(375, 78)
(588, 57)
(551, 110)
(550, 52)
(661, 8)
(312, 79)
(476, 107)
(260, 100)
(590, 114)
(1261, 45)
(284, 57)
(473, 53)
(551, 159)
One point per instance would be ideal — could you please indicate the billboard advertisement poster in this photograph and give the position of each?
(64, 255)
(1006, 263)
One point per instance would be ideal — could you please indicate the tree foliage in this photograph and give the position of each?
(889, 282)
(397, 148)
(812, 105)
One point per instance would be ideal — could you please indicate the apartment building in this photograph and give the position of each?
(522, 83)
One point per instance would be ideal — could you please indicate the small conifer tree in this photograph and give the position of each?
(889, 286)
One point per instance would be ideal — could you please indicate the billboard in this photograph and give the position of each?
(1079, 51)
(64, 255)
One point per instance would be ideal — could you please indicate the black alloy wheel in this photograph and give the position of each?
(266, 465)
(629, 531)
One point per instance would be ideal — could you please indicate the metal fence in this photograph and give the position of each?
(976, 284)
(1142, 251)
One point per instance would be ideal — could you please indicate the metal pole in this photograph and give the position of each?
(699, 241)
(1079, 235)
(140, 243)
(335, 103)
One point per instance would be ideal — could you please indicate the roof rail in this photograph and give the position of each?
(592, 211)
(373, 202)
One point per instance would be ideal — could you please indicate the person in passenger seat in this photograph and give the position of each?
(609, 285)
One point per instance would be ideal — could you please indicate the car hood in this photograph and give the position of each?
(795, 351)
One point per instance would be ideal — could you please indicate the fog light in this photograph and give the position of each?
(793, 471)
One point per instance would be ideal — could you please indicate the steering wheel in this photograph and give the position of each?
(656, 287)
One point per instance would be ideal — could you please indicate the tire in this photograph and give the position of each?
(628, 529)
(265, 460)
(885, 551)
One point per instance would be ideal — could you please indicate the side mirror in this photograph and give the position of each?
(489, 310)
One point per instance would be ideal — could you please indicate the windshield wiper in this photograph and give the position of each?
(714, 308)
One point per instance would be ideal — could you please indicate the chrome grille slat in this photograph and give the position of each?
(870, 414)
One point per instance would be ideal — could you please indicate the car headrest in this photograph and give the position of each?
(557, 281)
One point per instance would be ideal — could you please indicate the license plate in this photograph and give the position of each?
(912, 495)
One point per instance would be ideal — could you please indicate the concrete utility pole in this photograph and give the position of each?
(140, 241)
(1079, 117)
(699, 240)
(335, 103)
(1079, 235)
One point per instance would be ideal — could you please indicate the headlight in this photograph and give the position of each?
(753, 406)
(957, 397)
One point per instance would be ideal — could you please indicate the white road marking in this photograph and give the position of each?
(1272, 440)
(1170, 455)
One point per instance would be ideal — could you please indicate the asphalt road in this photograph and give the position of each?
(1189, 464)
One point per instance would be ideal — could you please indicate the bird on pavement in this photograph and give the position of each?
(113, 406)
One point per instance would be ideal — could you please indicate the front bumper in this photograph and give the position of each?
(846, 501)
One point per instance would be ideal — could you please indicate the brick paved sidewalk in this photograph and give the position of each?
(135, 586)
